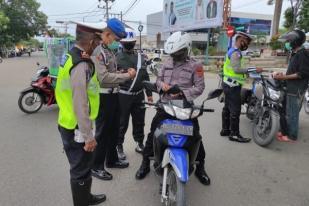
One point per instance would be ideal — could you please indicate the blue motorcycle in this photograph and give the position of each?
(176, 144)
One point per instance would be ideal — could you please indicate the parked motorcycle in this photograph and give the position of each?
(306, 102)
(153, 65)
(175, 146)
(40, 92)
(269, 95)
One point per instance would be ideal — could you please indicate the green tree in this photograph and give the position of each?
(288, 16)
(25, 20)
(275, 44)
(304, 16)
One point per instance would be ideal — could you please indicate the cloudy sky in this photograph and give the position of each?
(88, 10)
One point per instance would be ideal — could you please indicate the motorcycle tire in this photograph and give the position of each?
(259, 137)
(306, 106)
(25, 101)
(175, 190)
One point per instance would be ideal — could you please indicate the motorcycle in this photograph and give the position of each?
(175, 146)
(306, 101)
(153, 65)
(40, 92)
(269, 95)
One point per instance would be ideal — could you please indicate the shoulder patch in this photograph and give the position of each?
(199, 71)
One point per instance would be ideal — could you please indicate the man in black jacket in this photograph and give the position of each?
(296, 78)
(131, 94)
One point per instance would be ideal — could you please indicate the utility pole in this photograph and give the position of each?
(277, 14)
(106, 7)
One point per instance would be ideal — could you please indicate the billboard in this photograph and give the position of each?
(191, 14)
(253, 26)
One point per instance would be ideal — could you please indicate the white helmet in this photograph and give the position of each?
(177, 41)
(131, 36)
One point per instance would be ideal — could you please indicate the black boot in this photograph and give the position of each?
(143, 170)
(236, 137)
(225, 123)
(201, 174)
(81, 193)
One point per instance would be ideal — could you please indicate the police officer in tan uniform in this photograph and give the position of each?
(107, 123)
(188, 74)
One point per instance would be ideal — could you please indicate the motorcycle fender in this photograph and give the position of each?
(28, 89)
(179, 160)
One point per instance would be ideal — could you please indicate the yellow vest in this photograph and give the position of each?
(64, 93)
(228, 71)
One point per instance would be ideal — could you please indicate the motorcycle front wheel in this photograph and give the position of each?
(175, 190)
(265, 128)
(30, 102)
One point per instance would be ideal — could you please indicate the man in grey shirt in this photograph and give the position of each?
(107, 123)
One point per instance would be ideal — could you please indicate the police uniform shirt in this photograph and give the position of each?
(106, 68)
(188, 75)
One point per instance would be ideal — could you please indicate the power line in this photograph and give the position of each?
(131, 7)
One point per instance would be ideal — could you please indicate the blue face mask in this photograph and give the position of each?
(287, 45)
(114, 45)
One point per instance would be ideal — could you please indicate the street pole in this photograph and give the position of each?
(140, 29)
(207, 48)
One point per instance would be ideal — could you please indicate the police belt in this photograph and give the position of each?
(109, 90)
(121, 91)
(231, 82)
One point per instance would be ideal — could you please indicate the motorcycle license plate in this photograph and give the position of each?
(178, 129)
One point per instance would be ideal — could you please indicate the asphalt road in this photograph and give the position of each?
(34, 170)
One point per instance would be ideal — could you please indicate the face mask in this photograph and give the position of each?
(287, 45)
(243, 46)
(114, 45)
(129, 46)
(180, 56)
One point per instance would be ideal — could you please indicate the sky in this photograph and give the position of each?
(89, 12)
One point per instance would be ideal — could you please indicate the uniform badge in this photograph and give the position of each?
(199, 71)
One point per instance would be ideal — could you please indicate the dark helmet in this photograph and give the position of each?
(296, 38)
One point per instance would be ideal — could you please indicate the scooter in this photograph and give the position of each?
(153, 65)
(40, 92)
(176, 143)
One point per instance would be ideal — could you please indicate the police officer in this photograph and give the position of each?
(107, 123)
(131, 94)
(77, 94)
(189, 76)
(234, 76)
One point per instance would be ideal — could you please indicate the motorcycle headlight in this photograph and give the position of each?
(168, 110)
(195, 113)
(273, 94)
(182, 114)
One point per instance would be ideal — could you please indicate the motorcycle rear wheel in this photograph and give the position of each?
(263, 133)
(306, 106)
(175, 190)
(30, 102)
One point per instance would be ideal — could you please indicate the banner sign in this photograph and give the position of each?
(183, 15)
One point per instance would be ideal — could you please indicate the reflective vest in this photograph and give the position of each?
(228, 71)
(64, 93)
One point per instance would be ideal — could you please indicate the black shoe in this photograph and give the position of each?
(238, 138)
(139, 148)
(97, 199)
(120, 164)
(121, 154)
(225, 133)
(101, 174)
(202, 176)
(143, 170)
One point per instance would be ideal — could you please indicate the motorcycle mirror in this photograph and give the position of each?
(148, 62)
(38, 64)
(214, 94)
(150, 86)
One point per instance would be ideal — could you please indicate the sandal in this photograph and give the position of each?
(284, 139)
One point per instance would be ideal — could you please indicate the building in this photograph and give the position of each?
(259, 25)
